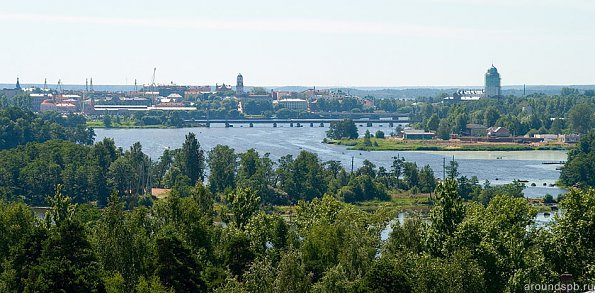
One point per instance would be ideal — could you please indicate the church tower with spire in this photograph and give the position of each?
(18, 86)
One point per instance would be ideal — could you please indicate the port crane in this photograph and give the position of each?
(152, 85)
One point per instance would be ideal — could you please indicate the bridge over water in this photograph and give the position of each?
(297, 121)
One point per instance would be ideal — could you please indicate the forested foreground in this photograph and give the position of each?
(241, 222)
(326, 246)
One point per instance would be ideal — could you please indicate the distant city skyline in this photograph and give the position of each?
(378, 43)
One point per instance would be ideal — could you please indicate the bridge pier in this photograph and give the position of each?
(251, 124)
(321, 124)
(369, 124)
(390, 124)
(291, 124)
(311, 124)
(208, 124)
(274, 124)
(299, 125)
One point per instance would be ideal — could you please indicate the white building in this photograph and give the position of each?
(292, 104)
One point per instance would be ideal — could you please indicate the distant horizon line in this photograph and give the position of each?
(378, 87)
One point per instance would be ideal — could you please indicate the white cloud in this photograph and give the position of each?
(280, 26)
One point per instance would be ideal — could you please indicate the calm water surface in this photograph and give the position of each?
(283, 140)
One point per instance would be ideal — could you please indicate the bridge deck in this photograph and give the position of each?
(286, 121)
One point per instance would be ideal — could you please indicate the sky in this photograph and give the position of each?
(384, 43)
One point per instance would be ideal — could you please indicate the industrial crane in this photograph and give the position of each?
(153, 85)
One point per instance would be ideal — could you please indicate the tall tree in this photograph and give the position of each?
(222, 162)
(433, 123)
(445, 216)
(367, 138)
(443, 131)
(192, 160)
(581, 118)
(176, 266)
(427, 181)
(243, 203)
(397, 169)
(342, 129)
(490, 116)
(411, 174)
(452, 169)
(305, 177)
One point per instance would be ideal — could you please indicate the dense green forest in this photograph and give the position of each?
(89, 173)
(18, 127)
(326, 246)
(521, 115)
(580, 168)
(241, 222)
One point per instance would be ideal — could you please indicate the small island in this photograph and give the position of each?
(345, 133)
(396, 144)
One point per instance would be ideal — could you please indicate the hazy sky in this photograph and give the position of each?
(306, 42)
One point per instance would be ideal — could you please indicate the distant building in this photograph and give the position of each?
(62, 107)
(240, 85)
(465, 95)
(415, 134)
(135, 101)
(314, 93)
(570, 138)
(292, 104)
(368, 103)
(222, 87)
(37, 99)
(197, 90)
(124, 101)
(492, 83)
(259, 97)
(547, 137)
(10, 93)
(173, 97)
(279, 95)
(166, 90)
(498, 132)
(476, 129)
(492, 89)
(169, 104)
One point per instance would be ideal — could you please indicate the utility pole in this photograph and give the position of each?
(443, 169)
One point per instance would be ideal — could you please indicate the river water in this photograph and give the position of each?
(283, 140)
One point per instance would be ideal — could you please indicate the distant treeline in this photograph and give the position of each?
(521, 115)
(19, 127)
